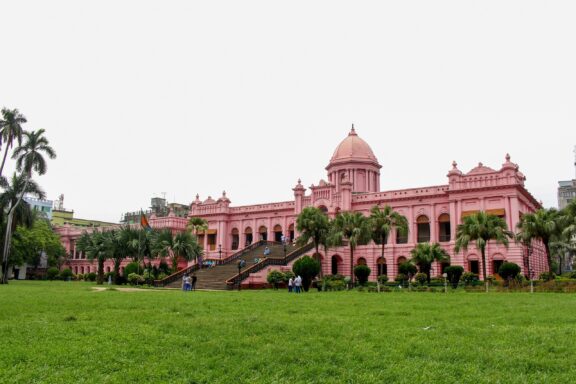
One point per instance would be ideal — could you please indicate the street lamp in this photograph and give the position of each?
(220, 251)
(241, 264)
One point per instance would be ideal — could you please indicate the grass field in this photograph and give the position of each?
(67, 333)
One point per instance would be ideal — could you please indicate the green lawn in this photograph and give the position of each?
(66, 333)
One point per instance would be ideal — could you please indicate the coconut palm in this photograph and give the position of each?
(96, 246)
(424, 254)
(542, 225)
(184, 244)
(482, 228)
(197, 224)
(313, 224)
(383, 221)
(353, 227)
(10, 129)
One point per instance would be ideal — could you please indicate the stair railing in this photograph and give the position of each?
(233, 281)
(176, 276)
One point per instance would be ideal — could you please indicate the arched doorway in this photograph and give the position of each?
(248, 236)
(291, 232)
(473, 264)
(323, 209)
(361, 261)
(336, 262)
(423, 225)
(263, 231)
(108, 269)
(497, 261)
(381, 266)
(277, 233)
(235, 239)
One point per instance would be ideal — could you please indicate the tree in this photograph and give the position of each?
(10, 129)
(542, 225)
(454, 273)
(353, 227)
(509, 271)
(362, 272)
(29, 157)
(482, 228)
(30, 243)
(166, 244)
(382, 222)
(424, 254)
(307, 268)
(96, 246)
(313, 224)
(197, 224)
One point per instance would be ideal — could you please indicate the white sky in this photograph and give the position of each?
(144, 97)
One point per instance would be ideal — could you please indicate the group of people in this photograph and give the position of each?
(295, 284)
(189, 282)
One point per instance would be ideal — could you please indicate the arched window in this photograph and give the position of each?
(382, 267)
(248, 236)
(82, 270)
(361, 261)
(291, 230)
(108, 269)
(444, 227)
(235, 239)
(423, 229)
(277, 233)
(401, 238)
(323, 209)
(263, 231)
(401, 260)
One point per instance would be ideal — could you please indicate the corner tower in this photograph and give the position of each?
(354, 162)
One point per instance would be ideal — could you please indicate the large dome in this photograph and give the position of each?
(353, 148)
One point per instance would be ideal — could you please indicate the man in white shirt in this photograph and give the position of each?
(298, 284)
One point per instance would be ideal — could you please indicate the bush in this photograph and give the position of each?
(509, 271)
(454, 273)
(66, 274)
(383, 279)
(52, 273)
(421, 278)
(162, 276)
(572, 275)
(469, 278)
(90, 276)
(362, 272)
(407, 269)
(547, 276)
(130, 268)
(401, 278)
(307, 268)
(135, 278)
(334, 283)
(275, 277)
(287, 275)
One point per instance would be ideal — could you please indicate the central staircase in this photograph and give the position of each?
(215, 278)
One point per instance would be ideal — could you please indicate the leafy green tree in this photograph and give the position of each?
(424, 254)
(542, 225)
(509, 271)
(313, 224)
(354, 228)
(96, 246)
(10, 130)
(383, 221)
(362, 272)
(29, 244)
(407, 268)
(307, 268)
(482, 228)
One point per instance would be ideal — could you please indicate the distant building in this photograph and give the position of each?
(158, 208)
(61, 217)
(39, 205)
(567, 190)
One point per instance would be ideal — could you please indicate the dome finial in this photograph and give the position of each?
(352, 131)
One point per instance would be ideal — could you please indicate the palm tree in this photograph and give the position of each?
(20, 214)
(481, 228)
(313, 224)
(382, 222)
(353, 227)
(166, 244)
(197, 224)
(424, 254)
(29, 157)
(542, 225)
(96, 245)
(10, 129)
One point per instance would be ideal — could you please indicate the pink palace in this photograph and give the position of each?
(353, 184)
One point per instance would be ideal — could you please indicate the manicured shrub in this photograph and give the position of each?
(135, 278)
(90, 276)
(334, 283)
(421, 278)
(132, 267)
(401, 278)
(287, 275)
(509, 271)
(275, 277)
(407, 269)
(66, 274)
(307, 268)
(546, 276)
(52, 273)
(383, 279)
(469, 278)
(362, 272)
(454, 273)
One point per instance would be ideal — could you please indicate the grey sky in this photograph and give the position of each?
(142, 97)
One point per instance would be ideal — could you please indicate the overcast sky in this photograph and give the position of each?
(185, 97)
